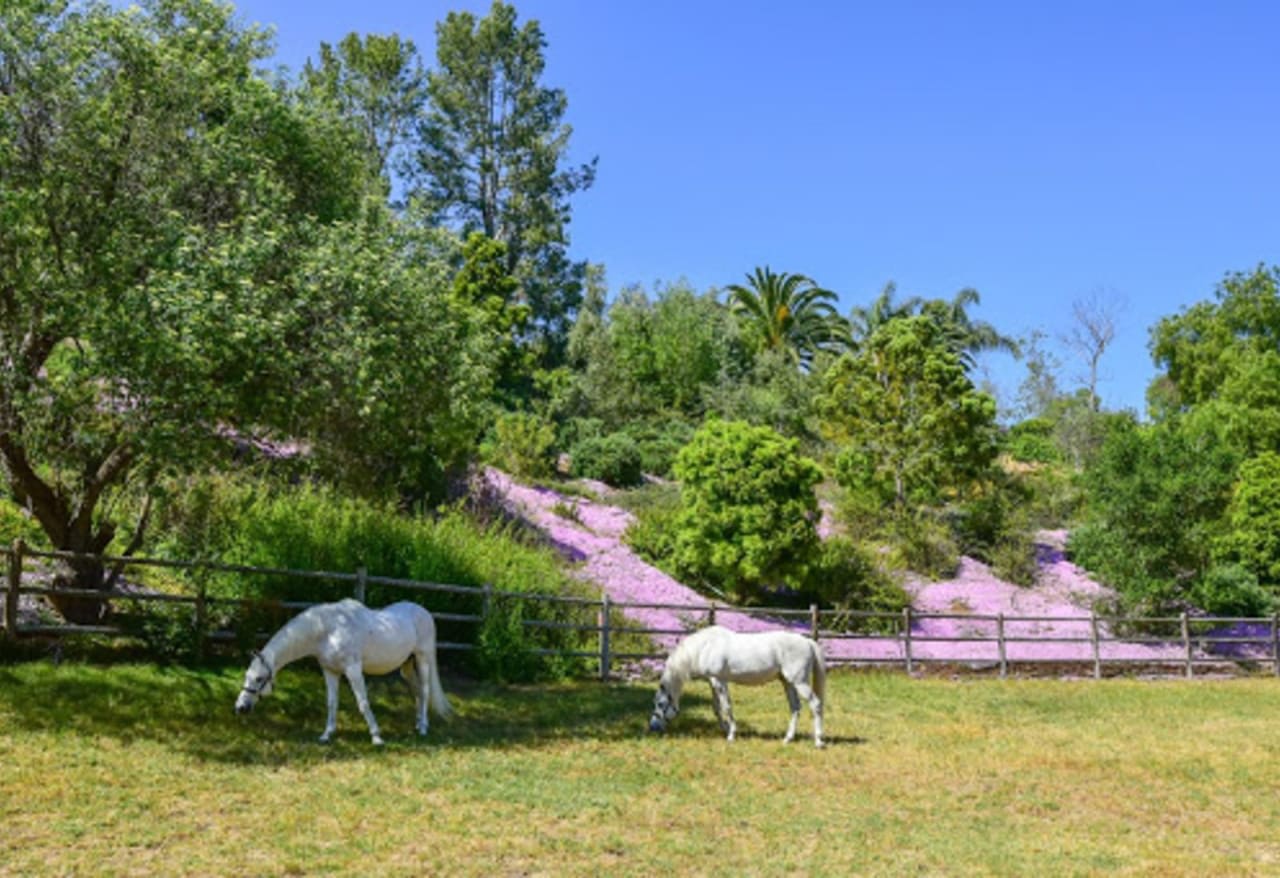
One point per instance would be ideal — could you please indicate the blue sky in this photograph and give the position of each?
(1038, 152)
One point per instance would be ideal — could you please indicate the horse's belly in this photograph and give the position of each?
(752, 676)
(384, 658)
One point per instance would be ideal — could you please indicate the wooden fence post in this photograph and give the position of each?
(605, 655)
(1097, 651)
(711, 614)
(202, 614)
(1275, 644)
(813, 622)
(1004, 664)
(906, 639)
(362, 576)
(1186, 643)
(13, 583)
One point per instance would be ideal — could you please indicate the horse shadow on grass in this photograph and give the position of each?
(191, 711)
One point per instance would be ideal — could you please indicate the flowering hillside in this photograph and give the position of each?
(592, 534)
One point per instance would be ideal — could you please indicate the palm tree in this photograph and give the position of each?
(964, 336)
(789, 313)
(864, 322)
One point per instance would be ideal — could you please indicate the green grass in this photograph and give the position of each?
(136, 770)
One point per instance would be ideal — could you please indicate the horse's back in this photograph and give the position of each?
(754, 657)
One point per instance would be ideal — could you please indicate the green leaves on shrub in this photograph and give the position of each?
(612, 459)
(748, 511)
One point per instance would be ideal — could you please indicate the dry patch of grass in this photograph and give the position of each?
(135, 770)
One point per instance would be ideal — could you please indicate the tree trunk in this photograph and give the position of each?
(87, 574)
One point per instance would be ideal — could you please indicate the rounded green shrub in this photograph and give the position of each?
(612, 459)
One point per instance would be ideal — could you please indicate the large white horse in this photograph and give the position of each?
(348, 638)
(723, 656)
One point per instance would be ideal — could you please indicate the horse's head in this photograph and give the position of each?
(666, 705)
(258, 681)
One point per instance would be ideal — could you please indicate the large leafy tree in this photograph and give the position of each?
(492, 156)
(644, 355)
(1203, 346)
(377, 83)
(788, 313)
(908, 421)
(164, 217)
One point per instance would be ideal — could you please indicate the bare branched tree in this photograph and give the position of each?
(1092, 332)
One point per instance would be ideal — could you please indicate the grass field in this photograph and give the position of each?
(134, 770)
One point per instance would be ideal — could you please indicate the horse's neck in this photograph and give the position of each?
(294, 641)
(677, 672)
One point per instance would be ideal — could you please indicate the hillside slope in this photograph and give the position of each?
(1060, 600)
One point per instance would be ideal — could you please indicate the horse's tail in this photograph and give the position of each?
(819, 672)
(439, 702)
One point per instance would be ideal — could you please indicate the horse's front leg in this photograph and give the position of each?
(355, 676)
(724, 707)
(331, 699)
(793, 699)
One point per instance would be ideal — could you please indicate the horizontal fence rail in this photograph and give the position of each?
(910, 639)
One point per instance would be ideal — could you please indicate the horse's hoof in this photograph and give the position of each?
(377, 742)
(324, 739)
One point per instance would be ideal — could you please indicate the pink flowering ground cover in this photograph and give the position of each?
(1059, 604)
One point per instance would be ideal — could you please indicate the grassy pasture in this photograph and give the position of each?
(137, 770)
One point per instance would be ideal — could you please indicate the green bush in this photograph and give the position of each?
(846, 576)
(1013, 558)
(925, 545)
(1032, 441)
(652, 533)
(612, 459)
(1231, 590)
(659, 441)
(748, 513)
(1253, 516)
(522, 444)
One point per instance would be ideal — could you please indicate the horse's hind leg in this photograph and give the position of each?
(805, 691)
(331, 681)
(793, 699)
(355, 676)
(421, 681)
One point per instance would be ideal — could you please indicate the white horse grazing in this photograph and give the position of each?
(723, 656)
(350, 639)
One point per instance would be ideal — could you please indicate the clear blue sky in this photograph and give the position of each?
(1038, 152)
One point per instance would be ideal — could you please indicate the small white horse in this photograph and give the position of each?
(723, 656)
(348, 638)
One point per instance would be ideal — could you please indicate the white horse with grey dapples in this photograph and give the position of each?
(349, 639)
(723, 656)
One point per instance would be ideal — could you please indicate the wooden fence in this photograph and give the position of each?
(910, 640)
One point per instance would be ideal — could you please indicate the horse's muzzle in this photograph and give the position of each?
(655, 725)
(243, 705)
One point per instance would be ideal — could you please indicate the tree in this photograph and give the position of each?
(756, 529)
(788, 313)
(156, 200)
(1192, 347)
(491, 157)
(865, 321)
(1090, 335)
(376, 83)
(908, 421)
(964, 336)
(396, 364)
